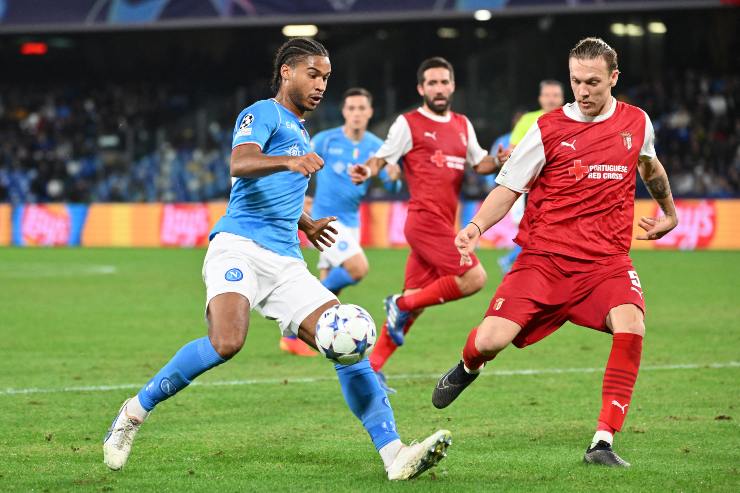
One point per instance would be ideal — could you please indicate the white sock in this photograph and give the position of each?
(135, 409)
(602, 435)
(473, 372)
(389, 452)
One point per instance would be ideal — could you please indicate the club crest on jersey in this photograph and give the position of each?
(497, 304)
(463, 139)
(234, 275)
(627, 139)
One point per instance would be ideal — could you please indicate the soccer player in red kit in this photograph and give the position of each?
(434, 143)
(578, 164)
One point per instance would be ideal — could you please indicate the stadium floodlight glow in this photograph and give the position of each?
(300, 30)
(447, 32)
(482, 15)
(618, 29)
(657, 28)
(634, 30)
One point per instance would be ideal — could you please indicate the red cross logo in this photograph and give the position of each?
(438, 158)
(578, 169)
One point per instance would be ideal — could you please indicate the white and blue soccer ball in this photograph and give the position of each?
(345, 334)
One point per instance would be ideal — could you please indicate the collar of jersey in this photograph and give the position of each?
(286, 109)
(432, 116)
(573, 112)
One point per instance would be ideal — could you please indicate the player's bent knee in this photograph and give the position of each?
(357, 267)
(473, 281)
(226, 346)
(626, 319)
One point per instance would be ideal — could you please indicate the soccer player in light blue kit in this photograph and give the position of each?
(335, 194)
(254, 261)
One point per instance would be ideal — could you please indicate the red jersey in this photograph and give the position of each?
(434, 151)
(580, 174)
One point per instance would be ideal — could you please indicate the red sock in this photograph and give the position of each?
(619, 380)
(440, 291)
(473, 358)
(384, 346)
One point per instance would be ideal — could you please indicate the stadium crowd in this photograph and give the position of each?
(147, 143)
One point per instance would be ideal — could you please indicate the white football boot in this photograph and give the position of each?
(412, 460)
(119, 439)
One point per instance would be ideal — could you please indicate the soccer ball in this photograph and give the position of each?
(345, 334)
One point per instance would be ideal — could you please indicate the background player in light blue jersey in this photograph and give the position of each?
(336, 195)
(254, 262)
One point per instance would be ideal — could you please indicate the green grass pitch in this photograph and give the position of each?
(86, 327)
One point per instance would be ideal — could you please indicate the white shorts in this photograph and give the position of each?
(347, 245)
(280, 288)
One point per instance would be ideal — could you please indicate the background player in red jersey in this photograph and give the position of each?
(435, 143)
(578, 165)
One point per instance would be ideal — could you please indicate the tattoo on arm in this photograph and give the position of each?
(659, 187)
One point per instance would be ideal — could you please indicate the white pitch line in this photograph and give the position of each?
(407, 376)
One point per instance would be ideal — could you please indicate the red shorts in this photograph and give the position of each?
(433, 253)
(545, 290)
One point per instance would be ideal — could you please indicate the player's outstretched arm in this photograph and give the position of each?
(247, 161)
(318, 231)
(360, 173)
(494, 208)
(656, 180)
(492, 164)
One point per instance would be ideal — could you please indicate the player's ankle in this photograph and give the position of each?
(135, 409)
(473, 371)
(602, 435)
(389, 452)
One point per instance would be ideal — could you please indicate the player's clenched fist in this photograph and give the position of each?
(466, 241)
(306, 164)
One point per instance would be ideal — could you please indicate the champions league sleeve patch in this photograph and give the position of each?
(245, 125)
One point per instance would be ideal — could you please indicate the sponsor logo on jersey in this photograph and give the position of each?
(627, 139)
(339, 167)
(441, 160)
(597, 171)
(294, 150)
(572, 145)
(335, 151)
(234, 275)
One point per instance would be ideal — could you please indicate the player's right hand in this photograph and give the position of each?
(307, 164)
(359, 173)
(465, 242)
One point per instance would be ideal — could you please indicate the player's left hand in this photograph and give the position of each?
(465, 242)
(502, 155)
(318, 232)
(359, 173)
(656, 227)
(393, 171)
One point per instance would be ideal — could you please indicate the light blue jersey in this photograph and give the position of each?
(266, 210)
(336, 195)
